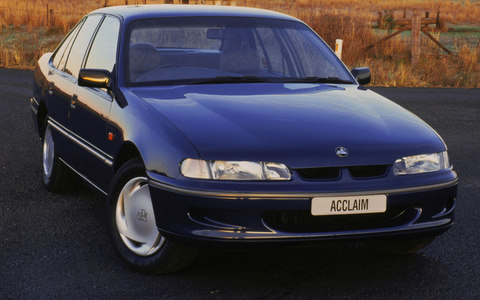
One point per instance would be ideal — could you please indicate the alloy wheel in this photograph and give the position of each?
(135, 219)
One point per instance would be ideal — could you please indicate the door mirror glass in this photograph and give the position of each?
(96, 78)
(362, 75)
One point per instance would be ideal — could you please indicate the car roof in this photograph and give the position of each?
(133, 12)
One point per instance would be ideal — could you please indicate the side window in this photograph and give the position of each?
(80, 45)
(104, 48)
(62, 53)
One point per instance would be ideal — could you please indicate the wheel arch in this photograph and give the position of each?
(42, 116)
(127, 152)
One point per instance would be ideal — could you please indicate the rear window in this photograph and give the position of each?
(173, 36)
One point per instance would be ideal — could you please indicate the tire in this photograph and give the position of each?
(133, 228)
(56, 176)
(404, 246)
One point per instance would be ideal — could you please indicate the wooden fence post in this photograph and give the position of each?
(49, 17)
(416, 24)
(52, 20)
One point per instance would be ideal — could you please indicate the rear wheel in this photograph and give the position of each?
(133, 227)
(55, 176)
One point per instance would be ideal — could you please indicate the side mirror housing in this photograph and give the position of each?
(96, 78)
(362, 75)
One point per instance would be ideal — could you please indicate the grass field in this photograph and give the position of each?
(32, 27)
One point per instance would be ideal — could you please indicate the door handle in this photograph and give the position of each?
(74, 101)
(51, 85)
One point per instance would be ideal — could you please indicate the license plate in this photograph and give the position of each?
(349, 205)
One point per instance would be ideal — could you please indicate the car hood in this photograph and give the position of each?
(300, 125)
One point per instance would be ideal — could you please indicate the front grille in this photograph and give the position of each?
(368, 171)
(320, 173)
(304, 221)
(335, 173)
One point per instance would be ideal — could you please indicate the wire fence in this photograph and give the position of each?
(4, 9)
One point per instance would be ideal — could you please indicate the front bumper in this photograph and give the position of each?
(226, 216)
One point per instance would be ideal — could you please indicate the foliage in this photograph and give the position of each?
(386, 20)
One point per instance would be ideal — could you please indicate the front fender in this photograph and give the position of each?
(162, 146)
(38, 100)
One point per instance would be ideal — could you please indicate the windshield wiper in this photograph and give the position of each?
(256, 79)
(313, 79)
(230, 79)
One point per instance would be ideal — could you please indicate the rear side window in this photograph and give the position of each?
(62, 53)
(104, 48)
(80, 45)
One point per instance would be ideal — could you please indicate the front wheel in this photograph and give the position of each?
(133, 227)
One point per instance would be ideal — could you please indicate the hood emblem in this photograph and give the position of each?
(341, 152)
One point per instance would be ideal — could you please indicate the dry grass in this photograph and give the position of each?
(356, 33)
(33, 13)
(434, 71)
(22, 48)
(26, 33)
(452, 11)
(459, 71)
(390, 62)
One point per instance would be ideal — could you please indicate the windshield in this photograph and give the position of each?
(196, 50)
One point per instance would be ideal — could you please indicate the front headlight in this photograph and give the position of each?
(233, 170)
(422, 163)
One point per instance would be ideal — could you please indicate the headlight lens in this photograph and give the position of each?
(423, 163)
(233, 170)
(236, 170)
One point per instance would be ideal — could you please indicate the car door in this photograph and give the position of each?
(89, 114)
(65, 86)
(59, 89)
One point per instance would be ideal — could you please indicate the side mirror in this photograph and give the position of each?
(362, 75)
(95, 78)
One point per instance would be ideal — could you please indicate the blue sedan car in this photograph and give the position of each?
(216, 125)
